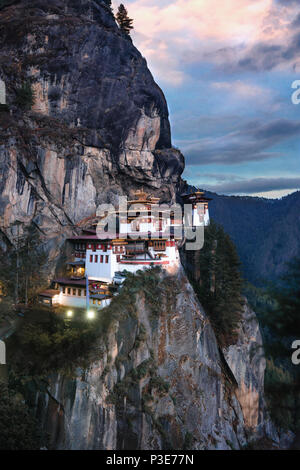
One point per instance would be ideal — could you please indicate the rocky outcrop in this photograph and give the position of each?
(159, 382)
(246, 360)
(99, 125)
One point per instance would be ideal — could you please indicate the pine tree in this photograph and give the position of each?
(25, 96)
(22, 274)
(287, 318)
(19, 430)
(283, 324)
(125, 23)
(220, 285)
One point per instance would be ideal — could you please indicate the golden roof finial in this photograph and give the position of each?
(140, 194)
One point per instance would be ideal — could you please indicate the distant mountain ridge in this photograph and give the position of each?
(266, 232)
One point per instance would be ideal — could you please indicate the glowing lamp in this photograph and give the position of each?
(69, 313)
(91, 314)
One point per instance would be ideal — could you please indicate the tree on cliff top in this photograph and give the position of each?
(124, 22)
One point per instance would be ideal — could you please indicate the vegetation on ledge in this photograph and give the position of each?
(219, 284)
(19, 430)
(279, 316)
(47, 342)
(25, 96)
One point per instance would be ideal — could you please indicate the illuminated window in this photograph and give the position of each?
(159, 246)
(99, 302)
(94, 301)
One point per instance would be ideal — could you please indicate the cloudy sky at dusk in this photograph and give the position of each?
(226, 68)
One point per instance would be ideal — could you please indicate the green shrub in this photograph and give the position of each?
(281, 327)
(25, 96)
(279, 393)
(188, 441)
(159, 384)
(219, 288)
(45, 343)
(19, 430)
(141, 337)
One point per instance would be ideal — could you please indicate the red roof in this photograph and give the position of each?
(49, 293)
(196, 196)
(84, 237)
(112, 236)
(70, 282)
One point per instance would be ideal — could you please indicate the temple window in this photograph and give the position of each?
(159, 245)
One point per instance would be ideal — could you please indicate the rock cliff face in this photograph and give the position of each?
(99, 125)
(247, 362)
(159, 382)
(98, 128)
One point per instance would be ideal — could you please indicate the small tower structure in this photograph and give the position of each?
(200, 212)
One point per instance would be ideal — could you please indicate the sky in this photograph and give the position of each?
(227, 68)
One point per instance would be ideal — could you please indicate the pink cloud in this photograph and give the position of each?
(202, 19)
(241, 88)
(172, 34)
